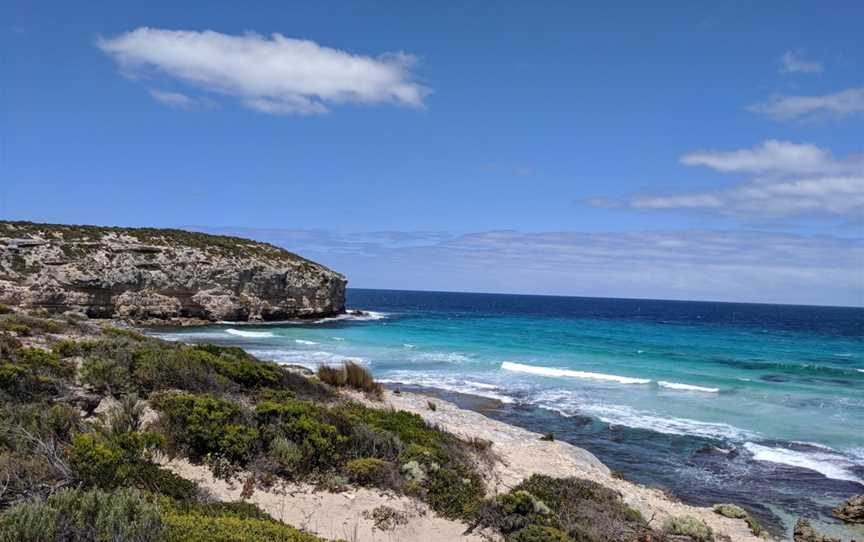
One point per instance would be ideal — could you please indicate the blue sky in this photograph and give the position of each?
(686, 150)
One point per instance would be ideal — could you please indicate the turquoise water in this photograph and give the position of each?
(714, 392)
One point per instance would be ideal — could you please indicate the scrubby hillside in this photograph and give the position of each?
(144, 273)
(89, 416)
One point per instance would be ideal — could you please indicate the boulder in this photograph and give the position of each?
(851, 511)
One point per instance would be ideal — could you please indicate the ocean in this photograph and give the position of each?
(762, 405)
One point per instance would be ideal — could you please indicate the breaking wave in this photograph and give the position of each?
(250, 334)
(568, 373)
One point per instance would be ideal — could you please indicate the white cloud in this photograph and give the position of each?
(178, 100)
(792, 62)
(682, 264)
(277, 75)
(840, 104)
(790, 179)
(773, 156)
(772, 199)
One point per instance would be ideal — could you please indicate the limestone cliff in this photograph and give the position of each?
(160, 274)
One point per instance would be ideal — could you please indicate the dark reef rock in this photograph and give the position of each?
(144, 274)
(851, 511)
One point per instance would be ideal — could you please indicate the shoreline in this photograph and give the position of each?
(778, 525)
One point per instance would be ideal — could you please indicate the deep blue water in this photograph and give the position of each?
(757, 404)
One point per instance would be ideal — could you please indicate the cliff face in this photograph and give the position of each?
(160, 274)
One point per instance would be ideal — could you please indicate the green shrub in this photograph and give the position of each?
(730, 511)
(287, 455)
(200, 528)
(111, 331)
(16, 322)
(454, 492)
(83, 516)
(539, 533)
(8, 345)
(5, 309)
(690, 526)
(202, 425)
(583, 510)
(370, 471)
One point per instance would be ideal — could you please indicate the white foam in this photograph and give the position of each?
(860, 370)
(337, 338)
(685, 387)
(437, 381)
(568, 403)
(306, 358)
(551, 371)
(441, 357)
(408, 345)
(250, 334)
(829, 464)
(365, 316)
(302, 341)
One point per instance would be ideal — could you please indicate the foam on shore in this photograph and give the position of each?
(685, 387)
(568, 373)
(828, 463)
(250, 334)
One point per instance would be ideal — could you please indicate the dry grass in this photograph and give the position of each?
(351, 375)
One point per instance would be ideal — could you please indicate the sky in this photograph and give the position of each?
(676, 150)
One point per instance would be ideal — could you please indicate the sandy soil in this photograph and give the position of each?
(337, 516)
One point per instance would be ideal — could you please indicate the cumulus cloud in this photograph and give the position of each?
(276, 74)
(678, 264)
(791, 62)
(840, 104)
(789, 179)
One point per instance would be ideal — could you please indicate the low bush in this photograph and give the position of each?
(200, 528)
(32, 324)
(690, 526)
(582, 510)
(370, 471)
(539, 533)
(730, 511)
(125, 514)
(202, 425)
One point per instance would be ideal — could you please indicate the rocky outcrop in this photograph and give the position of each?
(851, 511)
(804, 532)
(144, 274)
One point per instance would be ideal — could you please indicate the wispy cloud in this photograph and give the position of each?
(792, 63)
(178, 100)
(683, 264)
(778, 157)
(276, 75)
(840, 104)
(790, 179)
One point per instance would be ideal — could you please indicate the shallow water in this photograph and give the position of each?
(758, 404)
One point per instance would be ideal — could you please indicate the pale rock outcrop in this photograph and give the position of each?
(145, 274)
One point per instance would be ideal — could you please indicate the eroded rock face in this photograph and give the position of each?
(160, 274)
